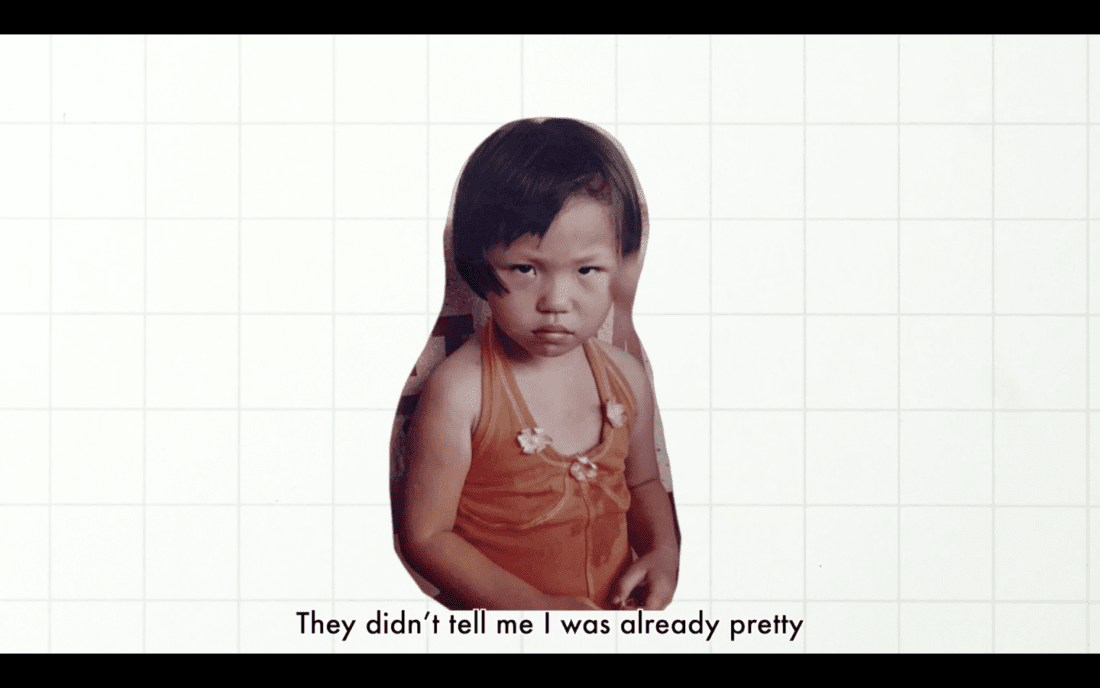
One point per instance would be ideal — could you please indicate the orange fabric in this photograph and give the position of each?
(553, 520)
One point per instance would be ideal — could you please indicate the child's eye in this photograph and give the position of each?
(524, 269)
(589, 269)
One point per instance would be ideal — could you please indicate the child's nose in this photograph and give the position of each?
(555, 298)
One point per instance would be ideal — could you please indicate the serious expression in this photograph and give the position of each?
(557, 287)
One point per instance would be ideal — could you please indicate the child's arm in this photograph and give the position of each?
(439, 459)
(652, 533)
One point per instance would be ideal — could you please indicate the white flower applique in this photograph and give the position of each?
(583, 469)
(533, 440)
(616, 413)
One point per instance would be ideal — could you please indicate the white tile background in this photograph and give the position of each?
(867, 302)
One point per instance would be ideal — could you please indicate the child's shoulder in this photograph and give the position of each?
(631, 369)
(455, 384)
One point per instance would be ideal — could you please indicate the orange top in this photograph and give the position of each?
(557, 522)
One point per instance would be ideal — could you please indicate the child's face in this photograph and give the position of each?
(559, 286)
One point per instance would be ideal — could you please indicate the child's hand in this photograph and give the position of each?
(653, 575)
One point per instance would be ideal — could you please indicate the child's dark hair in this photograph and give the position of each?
(517, 181)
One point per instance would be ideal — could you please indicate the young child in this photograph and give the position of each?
(531, 468)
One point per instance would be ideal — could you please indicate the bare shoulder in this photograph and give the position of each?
(630, 367)
(641, 461)
(454, 387)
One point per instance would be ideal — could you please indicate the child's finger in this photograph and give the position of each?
(660, 594)
(630, 580)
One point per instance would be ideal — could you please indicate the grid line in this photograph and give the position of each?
(1088, 353)
(710, 324)
(144, 330)
(335, 152)
(805, 356)
(428, 322)
(49, 374)
(427, 177)
(699, 124)
(701, 601)
(993, 337)
(431, 218)
(673, 314)
(240, 307)
(350, 409)
(898, 267)
(357, 505)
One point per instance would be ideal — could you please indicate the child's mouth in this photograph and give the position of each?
(553, 333)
